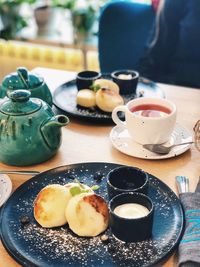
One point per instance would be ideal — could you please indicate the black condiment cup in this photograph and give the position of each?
(131, 229)
(126, 179)
(85, 79)
(126, 86)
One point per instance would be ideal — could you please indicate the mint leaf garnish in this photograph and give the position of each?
(77, 181)
(80, 188)
(95, 87)
(95, 187)
(75, 190)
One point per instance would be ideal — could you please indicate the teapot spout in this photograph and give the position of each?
(51, 131)
(58, 121)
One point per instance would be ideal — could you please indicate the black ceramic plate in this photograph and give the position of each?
(32, 245)
(64, 98)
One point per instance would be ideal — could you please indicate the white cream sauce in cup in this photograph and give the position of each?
(131, 211)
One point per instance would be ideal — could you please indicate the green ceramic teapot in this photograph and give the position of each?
(23, 79)
(30, 133)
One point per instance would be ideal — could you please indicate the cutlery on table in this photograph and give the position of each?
(182, 184)
(19, 172)
(161, 149)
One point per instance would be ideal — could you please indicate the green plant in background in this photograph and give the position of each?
(68, 4)
(83, 13)
(10, 18)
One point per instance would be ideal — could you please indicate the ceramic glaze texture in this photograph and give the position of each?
(30, 133)
(60, 247)
(23, 79)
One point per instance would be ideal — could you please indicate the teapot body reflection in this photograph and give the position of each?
(30, 133)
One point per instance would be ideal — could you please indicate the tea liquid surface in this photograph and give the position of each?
(150, 110)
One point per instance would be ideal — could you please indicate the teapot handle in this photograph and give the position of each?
(23, 75)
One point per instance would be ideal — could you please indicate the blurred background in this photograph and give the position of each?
(58, 34)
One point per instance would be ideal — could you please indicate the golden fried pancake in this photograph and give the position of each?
(107, 100)
(50, 205)
(87, 214)
(107, 84)
(86, 98)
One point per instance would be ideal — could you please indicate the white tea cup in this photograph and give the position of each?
(148, 120)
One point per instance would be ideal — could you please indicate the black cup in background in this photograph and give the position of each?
(85, 79)
(131, 230)
(126, 86)
(126, 179)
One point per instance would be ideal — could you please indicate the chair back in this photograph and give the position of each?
(124, 28)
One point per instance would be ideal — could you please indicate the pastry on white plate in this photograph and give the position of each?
(50, 205)
(107, 100)
(87, 214)
(86, 98)
(106, 84)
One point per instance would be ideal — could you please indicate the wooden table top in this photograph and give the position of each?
(86, 142)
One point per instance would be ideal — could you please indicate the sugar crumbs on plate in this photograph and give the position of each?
(60, 246)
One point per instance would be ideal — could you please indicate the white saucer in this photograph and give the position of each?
(5, 188)
(122, 141)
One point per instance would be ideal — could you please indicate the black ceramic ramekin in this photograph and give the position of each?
(131, 230)
(85, 79)
(126, 179)
(126, 86)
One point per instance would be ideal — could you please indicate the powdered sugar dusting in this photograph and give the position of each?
(62, 244)
(60, 247)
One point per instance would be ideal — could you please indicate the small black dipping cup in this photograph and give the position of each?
(85, 79)
(131, 230)
(126, 179)
(126, 86)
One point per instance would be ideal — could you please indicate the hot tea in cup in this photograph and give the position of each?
(151, 110)
(148, 120)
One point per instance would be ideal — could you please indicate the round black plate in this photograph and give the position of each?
(64, 98)
(32, 245)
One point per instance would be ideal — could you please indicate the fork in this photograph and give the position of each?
(182, 184)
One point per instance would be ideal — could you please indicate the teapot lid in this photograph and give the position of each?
(22, 79)
(19, 103)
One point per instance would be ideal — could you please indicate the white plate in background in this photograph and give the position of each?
(5, 188)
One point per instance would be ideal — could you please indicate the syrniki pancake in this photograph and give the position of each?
(87, 214)
(86, 98)
(51, 202)
(107, 99)
(107, 84)
(50, 205)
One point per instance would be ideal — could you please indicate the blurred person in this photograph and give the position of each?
(155, 4)
(173, 53)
